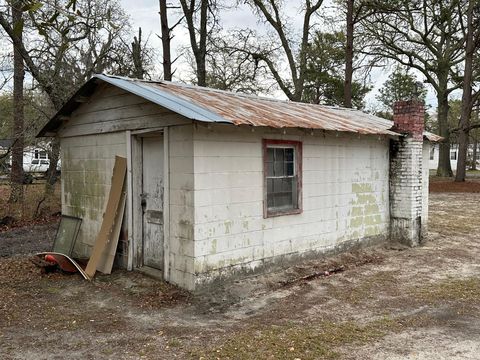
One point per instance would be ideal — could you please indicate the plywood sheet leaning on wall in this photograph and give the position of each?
(105, 263)
(109, 216)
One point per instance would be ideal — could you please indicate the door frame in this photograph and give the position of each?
(134, 206)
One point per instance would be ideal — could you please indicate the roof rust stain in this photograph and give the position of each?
(432, 137)
(211, 105)
(243, 109)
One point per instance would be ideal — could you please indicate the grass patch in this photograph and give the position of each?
(381, 282)
(174, 343)
(456, 290)
(302, 341)
(324, 340)
(453, 225)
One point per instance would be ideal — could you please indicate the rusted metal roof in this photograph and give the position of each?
(210, 105)
(240, 109)
(432, 137)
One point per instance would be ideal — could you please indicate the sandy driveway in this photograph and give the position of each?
(388, 303)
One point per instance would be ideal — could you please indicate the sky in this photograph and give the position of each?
(144, 14)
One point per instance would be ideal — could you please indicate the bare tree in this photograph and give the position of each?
(229, 68)
(201, 19)
(270, 11)
(472, 36)
(355, 12)
(138, 69)
(16, 174)
(70, 42)
(423, 35)
(347, 102)
(166, 38)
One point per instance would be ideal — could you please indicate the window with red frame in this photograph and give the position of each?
(282, 177)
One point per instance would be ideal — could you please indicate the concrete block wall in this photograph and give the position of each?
(181, 180)
(87, 166)
(345, 197)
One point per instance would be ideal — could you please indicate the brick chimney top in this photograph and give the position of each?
(408, 118)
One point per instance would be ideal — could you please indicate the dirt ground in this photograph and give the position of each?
(28, 239)
(383, 303)
(34, 210)
(439, 184)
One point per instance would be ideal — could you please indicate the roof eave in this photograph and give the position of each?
(432, 137)
(51, 127)
(156, 96)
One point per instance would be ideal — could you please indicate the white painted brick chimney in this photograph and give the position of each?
(406, 183)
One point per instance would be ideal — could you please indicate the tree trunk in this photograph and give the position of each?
(138, 70)
(17, 175)
(199, 48)
(444, 167)
(167, 58)
(466, 98)
(347, 102)
(202, 53)
(462, 156)
(474, 154)
(52, 168)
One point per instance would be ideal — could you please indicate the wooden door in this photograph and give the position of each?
(152, 201)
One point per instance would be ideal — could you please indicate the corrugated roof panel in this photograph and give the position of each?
(242, 109)
(210, 105)
(432, 137)
(165, 99)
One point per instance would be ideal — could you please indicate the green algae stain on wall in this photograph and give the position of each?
(228, 226)
(85, 187)
(365, 211)
(213, 247)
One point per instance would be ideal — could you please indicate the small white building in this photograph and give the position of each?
(434, 154)
(220, 183)
(35, 157)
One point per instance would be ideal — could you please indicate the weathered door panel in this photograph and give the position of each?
(152, 201)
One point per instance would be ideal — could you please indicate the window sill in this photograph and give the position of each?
(270, 214)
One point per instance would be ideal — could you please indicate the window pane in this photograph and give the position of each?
(289, 171)
(279, 154)
(270, 203)
(287, 185)
(270, 154)
(279, 171)
(269, 186)
(283, 201)
(294, 192)
(289, 154)
(269, 168)
(277, 185)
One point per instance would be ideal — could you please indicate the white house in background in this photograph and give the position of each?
(35, 157)
(434, 153)
(222, 184)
